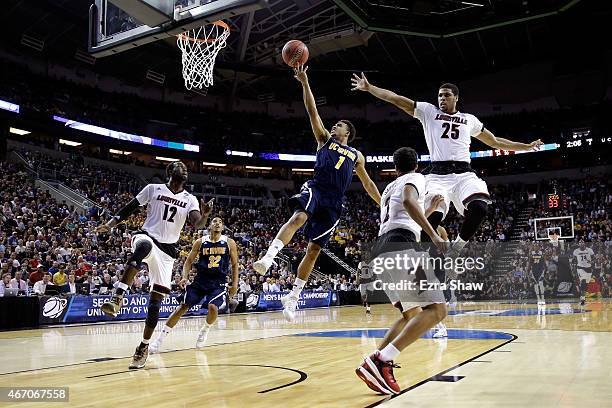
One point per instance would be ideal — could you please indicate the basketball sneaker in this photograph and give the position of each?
(379, 374)
(372, 383)
(262, 266)
(290, 304)
(113, 306)
(202, 337)
(140, 356)
(156, 345)
(440, 332)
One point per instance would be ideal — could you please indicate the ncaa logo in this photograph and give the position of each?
(564, 287)
(54, 307)
(252, 300)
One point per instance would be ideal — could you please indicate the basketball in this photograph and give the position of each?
(295, 53)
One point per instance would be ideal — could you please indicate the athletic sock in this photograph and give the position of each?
(165, 331)
(389, 353)
(275, 248)
(206, 326)
(298, 285)
(145, 341)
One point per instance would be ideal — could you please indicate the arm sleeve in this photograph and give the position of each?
(145, 195)
(128, 210)
(422, 110)
(477, 127)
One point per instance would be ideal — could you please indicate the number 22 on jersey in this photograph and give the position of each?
(213, 261)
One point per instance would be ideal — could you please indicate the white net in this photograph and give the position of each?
(200, 47)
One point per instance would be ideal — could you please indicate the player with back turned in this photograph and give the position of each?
(169, 206)
(318, 206)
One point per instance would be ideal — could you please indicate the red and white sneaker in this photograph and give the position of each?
(378, 374)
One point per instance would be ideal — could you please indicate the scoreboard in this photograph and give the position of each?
(555, 201)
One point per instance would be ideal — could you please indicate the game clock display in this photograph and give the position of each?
(555, 201)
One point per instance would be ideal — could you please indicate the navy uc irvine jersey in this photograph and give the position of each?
(334, 167)
(214, 263)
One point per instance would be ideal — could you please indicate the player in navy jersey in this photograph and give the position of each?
(318, 206)
(218, 255)
(538, 267)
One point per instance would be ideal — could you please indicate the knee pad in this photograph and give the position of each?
(477, 209)
(435, 218)
(475, 213)
(153, 313)
(143, 248)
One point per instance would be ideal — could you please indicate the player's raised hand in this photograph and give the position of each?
(535, 145)
(106, 227)
(437, 200)
(206, 207)
(441, 244)
(360, 83)
(233, 290)
(300, 73)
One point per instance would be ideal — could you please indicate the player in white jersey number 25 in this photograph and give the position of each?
(448, 134)
(168, 207)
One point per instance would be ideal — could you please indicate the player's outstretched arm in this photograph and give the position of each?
(490, 139)
(122, 215)
(193, 254)
(197, 218)
(360, 83)
(318, 129)
(234, 260)
(367, 182)
(411, 204)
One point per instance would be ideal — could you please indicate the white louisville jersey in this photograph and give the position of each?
(392, 212)
(365, 272)
(166, 211)
(583, 257)
(448, 137)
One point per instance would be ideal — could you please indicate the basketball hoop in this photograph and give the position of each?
(200, 47)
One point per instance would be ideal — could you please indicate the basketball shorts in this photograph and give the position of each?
(323, 213)
(585, 274)
(197, 293)
(538, 274)
(455, 188)
(366, 289)
(411, 281)
(160, 263)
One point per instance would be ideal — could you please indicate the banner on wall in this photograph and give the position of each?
(271, 301)
(80, 309)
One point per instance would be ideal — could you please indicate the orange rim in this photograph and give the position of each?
(208, 40)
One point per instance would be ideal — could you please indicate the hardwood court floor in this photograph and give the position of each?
(497, 355)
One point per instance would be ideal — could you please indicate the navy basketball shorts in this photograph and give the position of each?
(323, 213)
(538, 273)
(206, 294)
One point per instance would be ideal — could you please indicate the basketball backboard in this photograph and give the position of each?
(562, 226)
(120, 25)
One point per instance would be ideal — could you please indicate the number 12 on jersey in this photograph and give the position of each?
(169, 209)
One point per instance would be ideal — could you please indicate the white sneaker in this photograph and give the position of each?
(202, 336)
(155, 346)
(262, 266)
(440, 332)
(290, 304)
